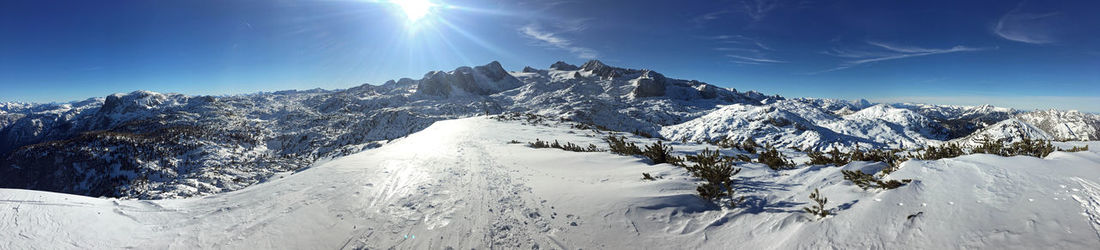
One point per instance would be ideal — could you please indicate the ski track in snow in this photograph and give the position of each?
(1090, 202)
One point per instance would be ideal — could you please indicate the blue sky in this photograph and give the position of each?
(1022, 54)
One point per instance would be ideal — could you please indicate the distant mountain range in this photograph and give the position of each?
(152, 145)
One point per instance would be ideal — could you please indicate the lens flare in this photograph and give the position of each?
(415, 9)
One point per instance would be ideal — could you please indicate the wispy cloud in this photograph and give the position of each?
(753, 60)
(758, 9)
(754, 10)
(710, 16)
(554, 40)
(881, 51)
(1033, 28)
(744, 50)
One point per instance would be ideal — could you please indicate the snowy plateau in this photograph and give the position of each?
(433, 164)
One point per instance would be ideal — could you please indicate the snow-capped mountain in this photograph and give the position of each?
(1065, 125)
(961, 120)
(152, 145)
(800, 124)
(837, 106)
(1007, 131)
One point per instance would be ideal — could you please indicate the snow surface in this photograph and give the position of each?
(459, 184)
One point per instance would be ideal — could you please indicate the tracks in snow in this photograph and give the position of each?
(460, 199)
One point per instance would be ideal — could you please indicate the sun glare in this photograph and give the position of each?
(414, 9)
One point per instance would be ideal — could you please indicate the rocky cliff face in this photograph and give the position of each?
(481, 80)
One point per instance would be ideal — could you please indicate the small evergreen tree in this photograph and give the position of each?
(817, 158)
(568, 146)
(619, 145)
(726, 142)
(717, 172)
(1029, 147)
(834, 157)
(950, 150)
(749, 145)
(868, 181)
(660, 153)
(988, 145)
(819, 209)
(1077, 149)
(856, 155)
(538, 144)
(774, 159)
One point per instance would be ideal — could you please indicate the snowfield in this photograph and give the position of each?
(460, 184)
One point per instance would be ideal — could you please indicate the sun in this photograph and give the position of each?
(414, 9)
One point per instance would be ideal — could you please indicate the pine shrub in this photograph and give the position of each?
(834, 157)
(890, 157)
(568, 146)
(717, 172)
(1029, 147)
(726, 143)
(619, 145)
(819, 209)
(868, 181)
(949, 150)
(774, 159)
(1077, 149)
(1026, 146)
(749, 145)
(660, 153)
(989, 146)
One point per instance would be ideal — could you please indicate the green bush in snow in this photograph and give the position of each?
(717, 173)
(819, 209)
(868, 181)
(774, 159)
(619, 145)
(660, 153)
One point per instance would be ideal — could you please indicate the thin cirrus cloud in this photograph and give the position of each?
(758, 9)
(754, 10)
(744, 50)
(554, 40)
(1032, 28)
(752, 60)
(880, 51)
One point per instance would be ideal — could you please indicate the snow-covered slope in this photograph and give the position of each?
(796, 123)
(1007, 131)
(459, 185)
(961, 120)
(1065, 125)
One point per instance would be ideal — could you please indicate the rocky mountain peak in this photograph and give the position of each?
(560, 65)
